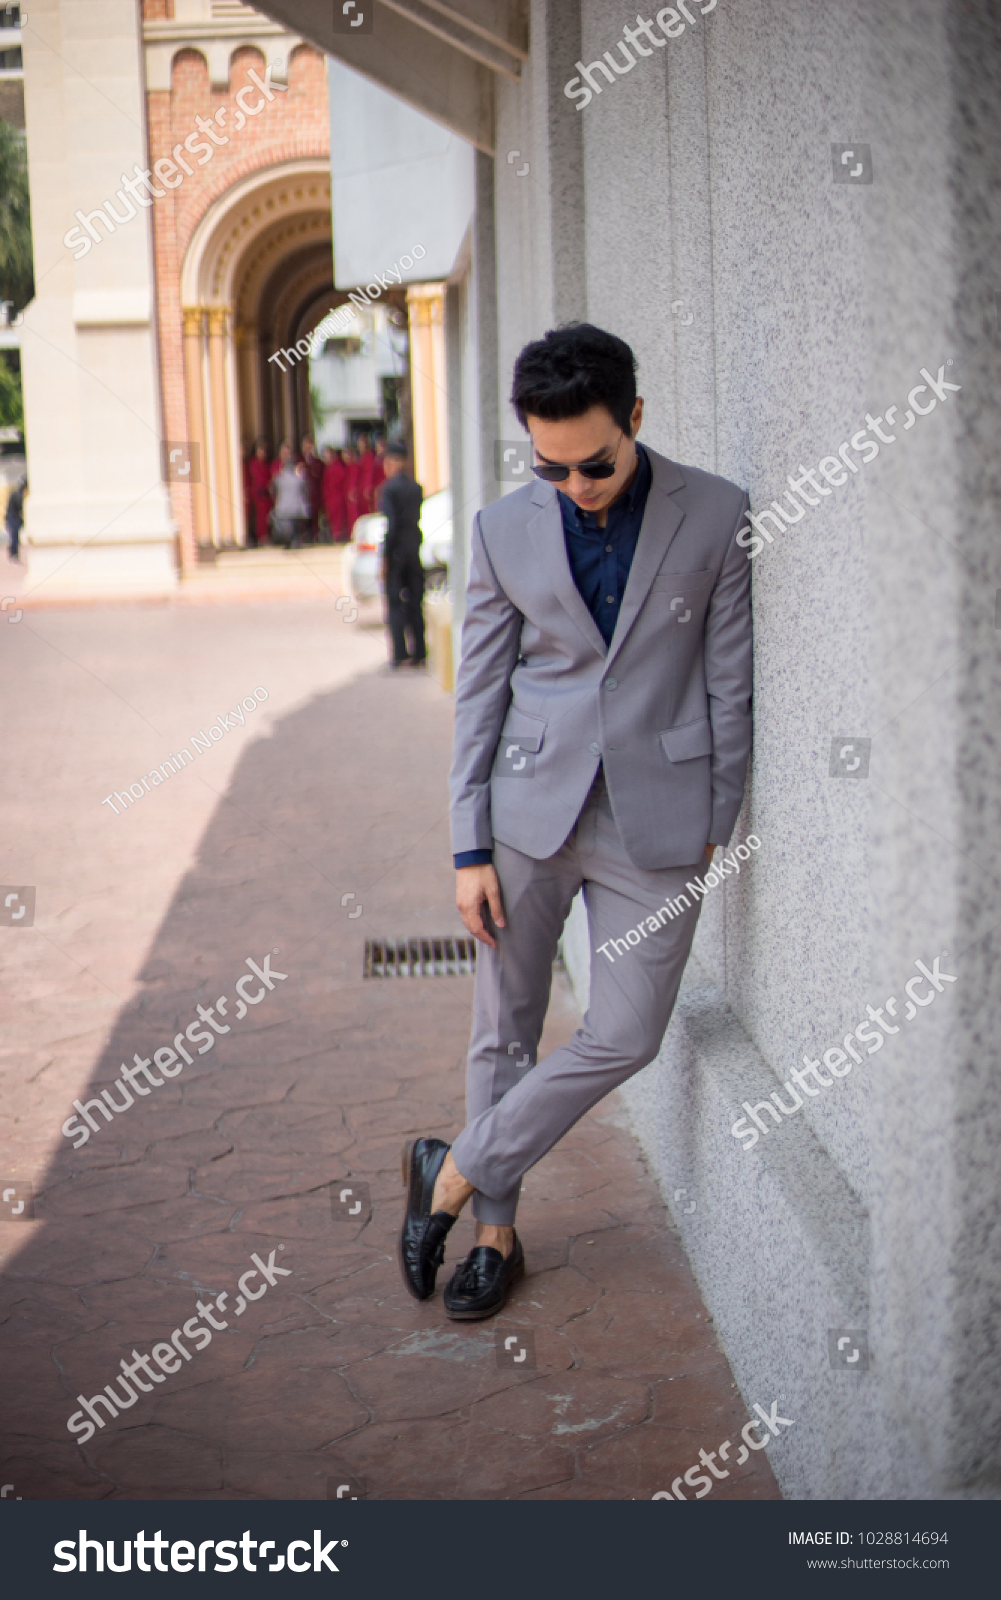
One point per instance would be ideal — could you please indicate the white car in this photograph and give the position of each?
(369, 532)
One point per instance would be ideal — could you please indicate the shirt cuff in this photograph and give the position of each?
(473, 858)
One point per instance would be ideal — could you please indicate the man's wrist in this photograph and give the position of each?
(472, 858)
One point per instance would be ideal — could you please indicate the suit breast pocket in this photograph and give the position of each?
(680, 597)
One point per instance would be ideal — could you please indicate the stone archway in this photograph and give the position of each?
(259, 257)
(283, 281)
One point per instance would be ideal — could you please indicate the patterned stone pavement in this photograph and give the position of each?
(331, 1377)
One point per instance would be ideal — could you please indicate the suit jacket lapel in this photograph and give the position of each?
(546, 530)
(661, 521)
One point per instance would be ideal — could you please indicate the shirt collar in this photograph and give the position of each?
(636, 493)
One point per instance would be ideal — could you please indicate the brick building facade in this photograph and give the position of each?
(242, 242)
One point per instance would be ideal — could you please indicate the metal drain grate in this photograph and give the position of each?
(447, 957)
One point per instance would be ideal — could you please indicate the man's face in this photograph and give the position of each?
(593, 436)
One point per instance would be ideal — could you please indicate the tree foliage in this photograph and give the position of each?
(11, 405)
(17, 281)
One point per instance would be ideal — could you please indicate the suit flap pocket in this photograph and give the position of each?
(688, 740)
(522, 741)
(525, 731)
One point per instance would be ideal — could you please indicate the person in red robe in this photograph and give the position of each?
(377, 472)
(260, 471)
(314, 476)
(248, 524)
(366, 461)
(335, 502)
(352, 467)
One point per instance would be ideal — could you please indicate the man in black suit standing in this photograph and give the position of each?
(400, 501)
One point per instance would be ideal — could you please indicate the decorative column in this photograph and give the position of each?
(304, 411)
(248, 366)
(221, 479)
(98, 520)
(193, 318)
(288, 411)
(429, 384)
(238, 495)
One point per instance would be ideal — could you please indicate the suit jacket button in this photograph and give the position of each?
(611, 683)
(595, 749)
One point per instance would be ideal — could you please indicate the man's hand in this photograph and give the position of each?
(473, 886)
(709, 854)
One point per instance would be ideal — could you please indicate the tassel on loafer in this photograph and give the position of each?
(422, 1239)
(480, 1286)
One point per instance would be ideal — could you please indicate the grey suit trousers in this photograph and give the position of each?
(517, 1110)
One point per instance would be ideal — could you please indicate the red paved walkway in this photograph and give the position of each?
(333, 1376)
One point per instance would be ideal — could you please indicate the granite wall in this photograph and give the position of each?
(777, 296)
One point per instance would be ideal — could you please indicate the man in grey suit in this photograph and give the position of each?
(602, 730)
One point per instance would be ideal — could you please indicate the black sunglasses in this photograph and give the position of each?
(551, 472)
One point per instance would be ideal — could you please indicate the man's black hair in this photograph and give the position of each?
(573, 368)
(397, 449)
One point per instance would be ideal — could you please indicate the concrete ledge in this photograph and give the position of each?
(105, 308)
(106, 571)
(774, 1291)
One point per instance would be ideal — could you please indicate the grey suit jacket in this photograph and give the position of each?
(666, 707)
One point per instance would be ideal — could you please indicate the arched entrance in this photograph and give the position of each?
(258, 265)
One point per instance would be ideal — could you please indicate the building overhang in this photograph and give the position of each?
(441, 58)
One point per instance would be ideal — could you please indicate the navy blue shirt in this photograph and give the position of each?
(600, 559)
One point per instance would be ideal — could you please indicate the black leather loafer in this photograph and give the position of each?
(480, 1286)
(422, 1240)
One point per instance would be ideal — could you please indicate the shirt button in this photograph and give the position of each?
(611, 683)
(595, 749)
(609, 599)
(608, 549)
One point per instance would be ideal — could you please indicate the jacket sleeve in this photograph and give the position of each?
(387, 505)
(729, 666)
(491, 639)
